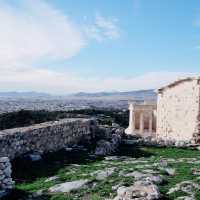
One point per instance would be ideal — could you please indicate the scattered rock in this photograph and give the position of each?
(196, 172)
(140, 190)
(106, 147)
(186, 186)
(103, 148)
(34, 157)
(92, 156)
(110, 158)
(171, 160)
(68, 149)
(68, 186)
(37, 193)
(149, 171)
(53, 178)
(115, 125)
(135, 161)
(186, 198)
(75, 165)
(145, 177)
(115, 187)
(198, 148)
(143, 166)
(169, 171)
(163, 163)
(103, 174)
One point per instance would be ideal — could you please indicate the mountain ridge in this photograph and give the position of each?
(136, 94)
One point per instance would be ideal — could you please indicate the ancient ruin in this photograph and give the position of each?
(45, 137)
(178, 111)
(142, 119)
(173, 119)
(177, 116)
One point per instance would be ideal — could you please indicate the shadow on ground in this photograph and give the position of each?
(21, 195)
(26, 171)
(133, 151)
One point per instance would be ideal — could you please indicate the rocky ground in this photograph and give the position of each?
(134, 173)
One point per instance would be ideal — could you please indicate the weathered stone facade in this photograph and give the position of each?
(5, 175)
(45, 137)
(178, 111)
(177, 116)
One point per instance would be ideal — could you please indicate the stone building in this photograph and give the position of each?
(142, 119)
(178, 111)
(177, 117)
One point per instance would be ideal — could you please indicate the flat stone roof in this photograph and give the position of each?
(177, 82)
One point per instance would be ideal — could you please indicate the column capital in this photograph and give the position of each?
(131, 107)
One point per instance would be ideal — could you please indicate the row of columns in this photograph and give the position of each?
(131, 129)
(142, 122)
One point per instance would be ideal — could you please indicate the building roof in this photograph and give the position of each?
(177, 82)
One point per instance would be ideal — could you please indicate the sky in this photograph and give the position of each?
(67, 46)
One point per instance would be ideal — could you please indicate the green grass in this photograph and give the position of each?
(183, 169)
(33, 175)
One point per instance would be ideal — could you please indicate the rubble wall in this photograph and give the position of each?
(44, 137)
(178, 111)
(5, 174)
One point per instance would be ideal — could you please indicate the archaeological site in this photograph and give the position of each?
(99, 99)
(175, 117)
(80, 158)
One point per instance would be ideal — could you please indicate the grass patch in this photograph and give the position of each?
(31, 177)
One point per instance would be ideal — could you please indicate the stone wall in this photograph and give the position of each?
(178, 111)
(44, 137)
(5, 175)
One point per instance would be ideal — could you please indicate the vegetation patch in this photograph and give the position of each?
(24, 118)
(76, 165)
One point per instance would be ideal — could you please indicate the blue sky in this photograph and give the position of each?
(66, 46)
(155, 35)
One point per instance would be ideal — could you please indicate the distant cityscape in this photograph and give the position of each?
(13, 101)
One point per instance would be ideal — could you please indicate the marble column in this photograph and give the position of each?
(131, 127)
(150, 122)
(141, 123)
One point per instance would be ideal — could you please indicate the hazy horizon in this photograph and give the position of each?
(62, 46)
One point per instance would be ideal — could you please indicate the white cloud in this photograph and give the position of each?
(63, 82)
(93, 32)
(35, 31)
(103, 28)
(152, 80)
(108, 26)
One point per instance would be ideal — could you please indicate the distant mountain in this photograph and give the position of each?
(23, 95)
(130, 95)
(137, 95)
